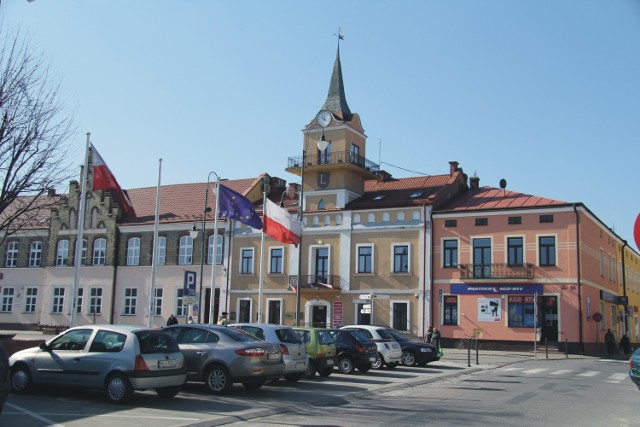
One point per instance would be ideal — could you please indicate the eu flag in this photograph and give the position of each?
(234, 205)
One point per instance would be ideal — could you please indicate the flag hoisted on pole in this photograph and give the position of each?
(233, 205)
(103, 179)
(155, 250)
(280, 225)
(80, 240)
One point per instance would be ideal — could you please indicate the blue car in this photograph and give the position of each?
(634, 368)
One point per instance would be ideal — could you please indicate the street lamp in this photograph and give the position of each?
(194, 233)
(322, 119)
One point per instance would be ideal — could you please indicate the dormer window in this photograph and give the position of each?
(416, 194)
(379, 197)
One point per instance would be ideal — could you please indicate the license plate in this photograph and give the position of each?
(300, 365)
(372, 359)
(273, 356)
(329, 361)
(167, 363)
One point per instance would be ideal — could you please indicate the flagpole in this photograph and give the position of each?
(261, 280)
(214, 261)
(155, 249)
(79, 240)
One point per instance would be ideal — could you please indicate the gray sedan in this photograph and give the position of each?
(220, 356)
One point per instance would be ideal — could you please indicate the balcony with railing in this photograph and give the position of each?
(316, 282)
(496, 271)
(335, 158)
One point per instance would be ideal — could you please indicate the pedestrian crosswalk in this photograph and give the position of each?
(607, 377)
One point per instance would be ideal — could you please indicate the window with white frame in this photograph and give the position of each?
(12, 254)
(161, 249)
(401, 258)
(157, 302)
(79, 300)
(276, 258)
(95, 301)
(7, 300)
(133, 251)
(185, 256)
(62, 254)
(30, 300)
(35, 254)
(57, 304)
(181, 308)
(130, 302)
(219, 249)
(246, 261)
(99, 251)
(400, 312)
(365, 258)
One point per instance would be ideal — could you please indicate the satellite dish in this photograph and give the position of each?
(503, 183)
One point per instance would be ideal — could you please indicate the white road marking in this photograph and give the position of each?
(589, 374)
(20, 409)
(533, 371)
(562, 372)
(617, 378)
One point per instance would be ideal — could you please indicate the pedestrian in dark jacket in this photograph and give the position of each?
(429, 335)
(172, 320)
(625, 344)
(436, 339)
(610, 341)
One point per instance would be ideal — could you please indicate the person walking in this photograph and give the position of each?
(436, 340)
(610, 341)
(429, 335)
(625, 344)
(223, 320)
(172, 320)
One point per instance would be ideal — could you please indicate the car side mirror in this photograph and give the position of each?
(44, 346)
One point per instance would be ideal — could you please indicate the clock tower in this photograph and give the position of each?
(335, 166)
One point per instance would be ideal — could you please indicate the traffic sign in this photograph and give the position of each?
(364, 296)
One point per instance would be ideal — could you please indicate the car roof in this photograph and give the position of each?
(117, 328)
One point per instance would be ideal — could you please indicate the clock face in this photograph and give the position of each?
(323, 118)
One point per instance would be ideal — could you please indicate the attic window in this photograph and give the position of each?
(379, 197)
(416, 194)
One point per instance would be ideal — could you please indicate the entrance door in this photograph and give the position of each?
(319, 316)
(549, 318)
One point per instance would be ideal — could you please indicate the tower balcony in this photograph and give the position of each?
(496, 271)
(339, 158)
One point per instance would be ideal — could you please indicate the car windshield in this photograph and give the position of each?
(238, 335)
(288, 335)
(397, 335)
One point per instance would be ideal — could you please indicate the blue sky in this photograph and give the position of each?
(542, 93)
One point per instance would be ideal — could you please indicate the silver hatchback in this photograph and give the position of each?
(294, 351)
(118, 359)
(220, 356)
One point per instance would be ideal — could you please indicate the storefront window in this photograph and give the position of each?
(450, 310)
(521, 311)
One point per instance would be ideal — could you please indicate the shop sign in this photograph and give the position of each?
(608, 297)
(489, 309)
(461, 288)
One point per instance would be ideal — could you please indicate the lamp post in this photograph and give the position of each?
(322, 119)
(194, 233)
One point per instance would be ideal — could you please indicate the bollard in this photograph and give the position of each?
(468, 353)
(566, 348)
(477, 357)
(546, 348)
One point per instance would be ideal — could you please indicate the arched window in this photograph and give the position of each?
(35, 254)
(99, 251)
(219, 250)
(161, 258)
(12, 254)
(133, 251)
(322, 204)
(62, 254)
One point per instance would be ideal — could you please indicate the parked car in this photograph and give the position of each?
(354, 350)
(634, 367)
(321, 350)
(294, 351)
(221, 356)
(4, 377)
(414, 352)
(389, 351)
(116, 358)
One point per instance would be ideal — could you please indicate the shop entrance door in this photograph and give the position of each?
(319, 316)
(549, 318)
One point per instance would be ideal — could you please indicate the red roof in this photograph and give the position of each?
(497, 198)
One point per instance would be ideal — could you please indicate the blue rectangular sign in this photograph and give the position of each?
(530, 289)
(189, 288)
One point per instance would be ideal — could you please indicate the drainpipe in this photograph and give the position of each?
(431, 304)
(624, 289)
(581, 338)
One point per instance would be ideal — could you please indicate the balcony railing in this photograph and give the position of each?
(340, 157)
(316, 282)
(496, 271)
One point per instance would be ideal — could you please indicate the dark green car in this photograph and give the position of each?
(634, 368)
(321, 350)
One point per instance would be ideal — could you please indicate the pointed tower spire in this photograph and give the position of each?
(336, 100)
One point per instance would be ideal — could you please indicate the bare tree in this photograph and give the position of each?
(34, 137)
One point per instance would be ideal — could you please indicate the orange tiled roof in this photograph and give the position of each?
(497, 198)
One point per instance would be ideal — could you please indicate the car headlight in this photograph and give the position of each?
(425, 350)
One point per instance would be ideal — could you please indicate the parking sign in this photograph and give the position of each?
(189, 288)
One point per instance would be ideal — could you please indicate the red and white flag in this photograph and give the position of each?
(280, 225)
(103, 179)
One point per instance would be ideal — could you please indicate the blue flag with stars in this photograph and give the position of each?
(234, 205)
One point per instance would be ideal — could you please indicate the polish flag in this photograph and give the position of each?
(103, 179)
(280, 225)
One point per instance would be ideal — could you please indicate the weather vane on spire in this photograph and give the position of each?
(339, 36)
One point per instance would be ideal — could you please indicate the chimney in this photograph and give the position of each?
(474, 182)
(384, 176)
(51, 192)
(453, 167)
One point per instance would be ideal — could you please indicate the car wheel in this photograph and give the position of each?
(168, 392)
(378, 363)
(20, 379)
(311, 370)
(325, 372)
(292, 378)
(118, 388)
(408, 358)
(253, 385)
(218, 380)
(364, 368)
(345, 365)
(392, 365)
